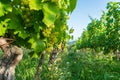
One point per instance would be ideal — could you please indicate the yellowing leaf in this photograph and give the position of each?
(35, 4)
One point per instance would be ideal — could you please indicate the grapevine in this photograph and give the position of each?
(36, 24)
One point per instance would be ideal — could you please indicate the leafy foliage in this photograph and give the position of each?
(103, 34)
(34, 22)
(39, 25)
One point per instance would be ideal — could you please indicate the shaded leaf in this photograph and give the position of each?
(14, 23)
(2, 30)
(21, 33)
(72, 5)
(37, 45)
(71, 30)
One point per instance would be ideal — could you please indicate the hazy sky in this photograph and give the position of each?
(79, 18)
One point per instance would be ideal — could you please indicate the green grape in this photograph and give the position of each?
(119, 23)
(45, 34)
(24, 16)
(55, 33)
(27, 9)
(26, 25)
(24, 2)
(53, 26)
(54, 1)
(27, 20)
(28, 13)
(66, 17)
(119, 31)
(50, 43)
(49, 49)
(55, 39)
(49, 29)
(22, 8)
(29, 24)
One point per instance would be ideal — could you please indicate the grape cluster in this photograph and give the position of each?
(46, 32)
(52, 39)
(49, 49)
(26, 13)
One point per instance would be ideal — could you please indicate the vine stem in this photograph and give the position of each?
(39, 68)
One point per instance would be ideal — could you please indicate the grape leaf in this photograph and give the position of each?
(72, 5)
(5, 8)
(50, 11)
(2, 30)
(71, 30)
(1, 10)
(37, 45)
(21, 33)
(35, 4)
(14, 23)
(3, 26)
(8, 7)
(17, 1)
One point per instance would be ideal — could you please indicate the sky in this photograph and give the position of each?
(79, 18)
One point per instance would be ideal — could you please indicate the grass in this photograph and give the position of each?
(72, 66)
(87, 66)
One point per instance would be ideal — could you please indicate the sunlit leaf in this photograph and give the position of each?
(50, 11)
(3, 26)
(2, 30)
(8, 7)
(5, 8)
(35, 4)
(1, 9)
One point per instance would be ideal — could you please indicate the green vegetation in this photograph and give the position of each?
(40, 26)
(103, 34)
(82, 65)
(36, 24)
